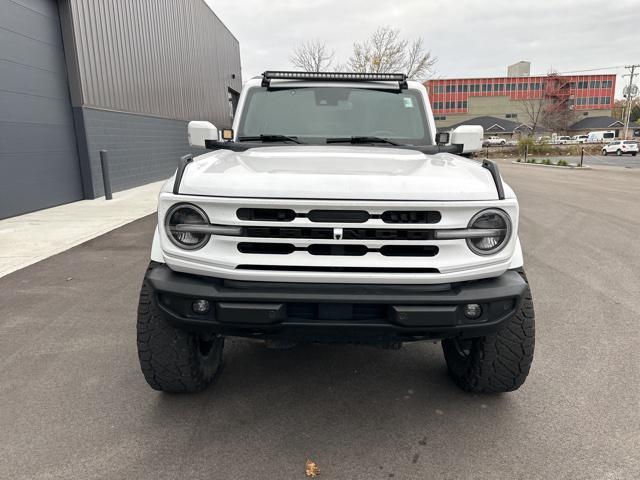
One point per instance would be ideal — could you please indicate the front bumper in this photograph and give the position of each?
(335, 312)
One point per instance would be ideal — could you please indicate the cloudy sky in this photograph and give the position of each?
(470, 38)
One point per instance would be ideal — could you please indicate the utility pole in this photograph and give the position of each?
(630, 94)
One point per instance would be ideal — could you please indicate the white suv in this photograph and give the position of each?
(621, 147)
(333, 213)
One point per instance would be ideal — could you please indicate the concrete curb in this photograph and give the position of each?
(574, 167)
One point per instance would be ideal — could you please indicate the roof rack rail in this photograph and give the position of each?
(269, 75)
(495, 174)
(182, 165)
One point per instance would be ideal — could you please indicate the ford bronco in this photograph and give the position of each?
(333, 212)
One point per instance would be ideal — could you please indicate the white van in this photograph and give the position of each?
(601, 137)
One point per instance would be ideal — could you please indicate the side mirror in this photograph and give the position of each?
(442, 138)
(198, 132)
(469, 136)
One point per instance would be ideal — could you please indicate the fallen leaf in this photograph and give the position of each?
(311, 469)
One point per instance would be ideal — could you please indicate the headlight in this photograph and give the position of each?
(497, 226)
(186, 226)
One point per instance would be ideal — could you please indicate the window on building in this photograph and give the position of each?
(607, 84)
(520, 86)
(499, 87)
(594, 84)
(572, 85)
(582, 84)
(439, 117)
(535, 86)
(511, 115)
(591, 99)
(462, 104)
(508, 87)
(484, 87)
(513, 87)
(605, 100)
(476, 88)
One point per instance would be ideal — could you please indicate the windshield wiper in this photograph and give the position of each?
(361, 140)
(269, 138)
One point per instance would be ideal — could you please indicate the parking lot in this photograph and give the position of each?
(74, 403)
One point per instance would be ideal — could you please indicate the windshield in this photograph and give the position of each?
(315, 114)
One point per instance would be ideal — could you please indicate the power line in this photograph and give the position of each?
(594, 69)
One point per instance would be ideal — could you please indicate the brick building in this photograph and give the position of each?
(456, 100)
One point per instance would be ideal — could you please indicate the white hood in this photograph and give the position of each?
(338, 172)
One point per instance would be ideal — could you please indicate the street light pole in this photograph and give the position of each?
(630, 94)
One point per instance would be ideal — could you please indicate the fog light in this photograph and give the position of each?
(472, 311)
(200, 306)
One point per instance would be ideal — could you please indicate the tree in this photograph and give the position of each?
(312, 56)
(386, 51)
(534, 111)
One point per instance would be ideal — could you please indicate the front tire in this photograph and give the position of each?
(173, 360)
(604, 153)
(498, 362)
(619, 152)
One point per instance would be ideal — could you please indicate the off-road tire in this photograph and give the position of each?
(173, 360)
(498, 362)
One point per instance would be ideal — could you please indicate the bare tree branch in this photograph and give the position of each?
(312, 56)
(386, 51)
(534, 111)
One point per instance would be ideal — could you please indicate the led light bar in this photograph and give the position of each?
(401, 78)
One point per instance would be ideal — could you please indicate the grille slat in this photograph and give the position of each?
(327, 249)
(347, 233)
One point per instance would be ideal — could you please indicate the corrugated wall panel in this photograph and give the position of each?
(167, 58)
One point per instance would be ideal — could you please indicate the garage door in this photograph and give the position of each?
(38, 158)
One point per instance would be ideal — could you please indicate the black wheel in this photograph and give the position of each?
(604, 152)
(618, 152)
(174, 360)
(495, 363)
(633, 154)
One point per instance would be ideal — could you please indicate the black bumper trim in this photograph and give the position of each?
(263, 309)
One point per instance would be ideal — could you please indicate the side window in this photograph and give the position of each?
(233, 98)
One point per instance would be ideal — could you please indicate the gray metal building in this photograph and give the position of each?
(80, 76)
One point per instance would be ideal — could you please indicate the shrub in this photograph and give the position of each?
(546, 161)
(562, 163)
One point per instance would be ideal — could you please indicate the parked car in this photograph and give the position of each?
(493, 141)
(315, 219)
(563, 140)
(543, 139)
(601, 137)
(621, 148)
(580, 138)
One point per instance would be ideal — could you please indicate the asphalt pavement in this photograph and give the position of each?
(74, 405)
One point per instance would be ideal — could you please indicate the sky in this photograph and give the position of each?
(470, 38)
